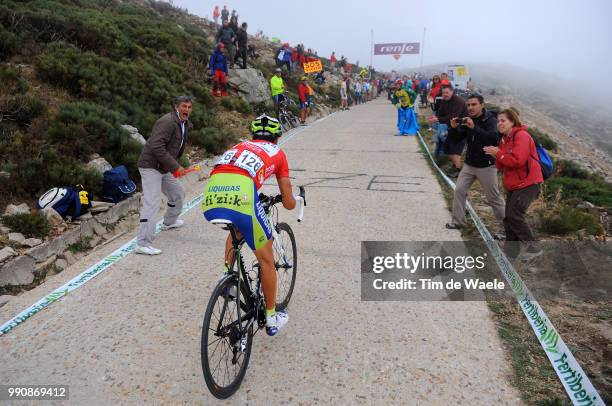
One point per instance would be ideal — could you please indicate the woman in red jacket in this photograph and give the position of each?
(517, 158)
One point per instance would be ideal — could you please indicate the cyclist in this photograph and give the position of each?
(232, 194)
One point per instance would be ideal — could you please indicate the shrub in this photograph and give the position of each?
(82, 245)
(213, 140)
(35, 175)
(567, 220)
(9, 43)
(595, 190)
(543, 138)
(28, 224)
(237, 104)
(571, 169)
(83, 128)
(492, 107)
(21, 108)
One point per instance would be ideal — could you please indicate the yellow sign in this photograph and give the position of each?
(461, 71)
(312, 67)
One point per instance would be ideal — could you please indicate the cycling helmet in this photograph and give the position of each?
(266, 127)
(398, 82)
(303, 78)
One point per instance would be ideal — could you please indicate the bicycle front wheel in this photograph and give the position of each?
(284, 121)
(226, 343)
(285, 262)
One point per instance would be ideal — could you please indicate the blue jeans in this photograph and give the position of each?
(440, 137)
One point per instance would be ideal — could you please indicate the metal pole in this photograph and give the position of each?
(422, 50)
(371, 48)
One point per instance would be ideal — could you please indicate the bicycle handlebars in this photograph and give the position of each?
(269, 201)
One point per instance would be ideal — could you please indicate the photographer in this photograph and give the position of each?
(452, 105)
(479, 129)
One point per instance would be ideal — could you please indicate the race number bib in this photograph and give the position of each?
(226, 157)
(250, 162)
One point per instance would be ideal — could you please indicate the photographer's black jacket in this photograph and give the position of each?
(483, 134)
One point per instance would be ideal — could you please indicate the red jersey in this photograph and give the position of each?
(303, 92)
(257, 159)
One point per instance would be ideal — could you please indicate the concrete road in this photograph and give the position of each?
(132, 335)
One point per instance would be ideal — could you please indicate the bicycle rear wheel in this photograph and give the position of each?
(225, 352)
(285, 262)
(285, 121)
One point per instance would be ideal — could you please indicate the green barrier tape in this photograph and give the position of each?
(575, 381)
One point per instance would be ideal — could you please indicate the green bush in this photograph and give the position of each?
(571, 169)
(543, 138)
(213, 140)
(9, 43)
(492, 107)
(28, 224)
(596, 190)
(21, 108)
(567, 220)
(82, 129)
(237, 104)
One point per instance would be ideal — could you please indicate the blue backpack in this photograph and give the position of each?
(546, 163)
(117, 185)
(67, 201)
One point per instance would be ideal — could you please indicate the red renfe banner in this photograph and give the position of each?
(398, 48)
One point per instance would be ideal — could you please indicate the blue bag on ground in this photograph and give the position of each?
(117, 185)
(66, 201)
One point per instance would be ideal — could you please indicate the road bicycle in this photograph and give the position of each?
(286, 117)
(236, 309)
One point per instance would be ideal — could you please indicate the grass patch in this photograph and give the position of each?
(81, 245)
(28, 224)
(564, 220)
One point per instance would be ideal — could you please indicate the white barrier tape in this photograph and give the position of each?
(575, 381)
(105, 263)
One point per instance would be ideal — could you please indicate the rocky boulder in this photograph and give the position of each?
(98, 164)
(134, 134)
(250, 85)
(16, 209)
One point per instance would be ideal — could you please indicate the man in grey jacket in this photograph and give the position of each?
(160, 170)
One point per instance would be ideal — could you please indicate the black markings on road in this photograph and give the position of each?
(381, 180)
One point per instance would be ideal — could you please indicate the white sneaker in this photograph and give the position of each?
(276, 322)
(147, 250)
(177, 224)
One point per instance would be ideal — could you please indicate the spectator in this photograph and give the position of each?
(479, 129)
(227, 36)
(283, 57)
(320, 78)
(333, 60)
(277, 87)
(517, 158)
(343, 95)
(423, 85)
(159, 169)
(224, 14)
(233, 24)
(358, 90)
(406, 119)
(304, 95)
(434, 93)
(234, 15)
(252, 52)
(242, 42)
(216, 16)
(218, 70)
(452, 106)
(294, 58)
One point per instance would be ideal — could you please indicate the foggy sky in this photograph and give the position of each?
(568, 38)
